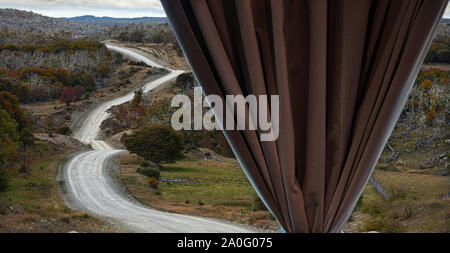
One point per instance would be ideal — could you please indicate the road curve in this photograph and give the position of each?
(92, 188)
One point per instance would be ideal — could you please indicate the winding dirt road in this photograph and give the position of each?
(91, 186)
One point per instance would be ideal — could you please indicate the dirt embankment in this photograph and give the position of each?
(63, 142)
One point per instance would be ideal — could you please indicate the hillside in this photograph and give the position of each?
(20, 21)
(110, 21)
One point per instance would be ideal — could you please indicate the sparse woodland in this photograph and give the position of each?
(45, 59)
(60, 61)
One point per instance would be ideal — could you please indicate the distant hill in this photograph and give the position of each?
(443, 31)
(445, 20)
(18, 20)
(110, 21)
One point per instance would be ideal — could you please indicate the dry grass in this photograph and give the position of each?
(33, 203)
(415, 204)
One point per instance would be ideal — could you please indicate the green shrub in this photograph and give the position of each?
(153, 182)
(185, 81)
(429, 58)
(149, 172)
(24, 93)
(4, 178)
(145, 164)
(155, 143)
(443, 56)
(359, 203)
(374, 224)
(258, 204)
(373, 209)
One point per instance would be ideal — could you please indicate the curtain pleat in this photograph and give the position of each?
(342, 70)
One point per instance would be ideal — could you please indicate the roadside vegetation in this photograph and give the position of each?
(439, 51)
(32, 200)
(154, 108)
(48, 78)
(414, 167)
(190, 172)
(415, 204)
(195, 186)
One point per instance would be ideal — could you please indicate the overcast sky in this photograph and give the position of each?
(112, 8)
(72, 8)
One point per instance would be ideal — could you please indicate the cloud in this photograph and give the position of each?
(447, 11)
(115, 8)
(65, 8)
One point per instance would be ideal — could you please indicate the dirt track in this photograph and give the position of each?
(92, 188)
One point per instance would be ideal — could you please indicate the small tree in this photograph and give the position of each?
(123, 36)
(136, 103)
(185, 81)
(4, 179)
(136, 36)
(103, 70)
(26, 138)
(63, 76)
(11, 105)
(24, 93)
(79, 92)
(8, 137)
(49, 126)
(155, 143)
(68, 95)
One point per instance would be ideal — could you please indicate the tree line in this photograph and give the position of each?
(15, 137)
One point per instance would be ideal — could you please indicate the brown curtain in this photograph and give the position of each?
(342, 69)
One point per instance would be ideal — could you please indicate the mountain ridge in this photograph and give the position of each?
(110, 21)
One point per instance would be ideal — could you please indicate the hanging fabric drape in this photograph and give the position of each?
(342, 70)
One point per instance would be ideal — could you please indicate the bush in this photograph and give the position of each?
(4, 178)
(68, 95)
(103, 70)
(11, 105)
(63, 129)
(145, 164)
(155, 143)
(136, 36)
(24, 93)
(185, 81)
(258, 204)
(149, 172)
(79, 92)
(374, 209)
(153, 182)
(443, 56)
(9, 137)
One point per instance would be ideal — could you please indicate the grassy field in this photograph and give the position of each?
(415, 188)
(219, 189)
(33, 202)
(415, 204)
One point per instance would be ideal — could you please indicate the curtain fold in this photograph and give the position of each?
(342, 70)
